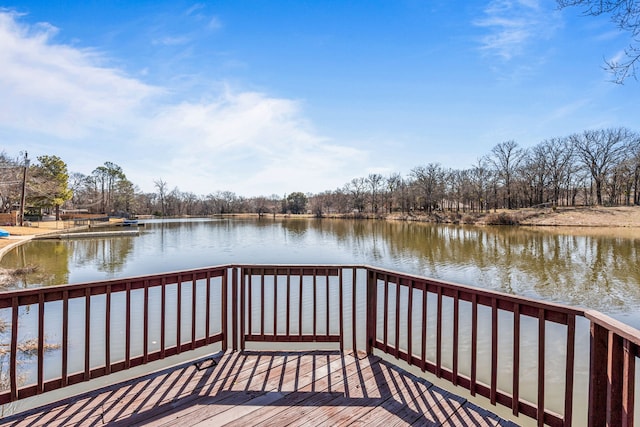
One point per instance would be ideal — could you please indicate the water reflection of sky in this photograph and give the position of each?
(594, 270)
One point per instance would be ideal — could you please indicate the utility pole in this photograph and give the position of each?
(24, 188)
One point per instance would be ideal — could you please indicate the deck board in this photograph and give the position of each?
(314, 388)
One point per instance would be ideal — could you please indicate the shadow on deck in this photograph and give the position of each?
(268, 388)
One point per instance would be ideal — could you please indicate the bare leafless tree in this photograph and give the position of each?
(600, 151)
(506, 158)
(161, 186)
(430, 180)
(374, 181)
(625, 14)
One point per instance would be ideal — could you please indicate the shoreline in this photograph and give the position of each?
(570, 220)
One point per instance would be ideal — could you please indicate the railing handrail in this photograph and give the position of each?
(617, 327)
(54, 289)
(490, 293)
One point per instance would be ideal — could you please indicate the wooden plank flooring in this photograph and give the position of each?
(250, 388)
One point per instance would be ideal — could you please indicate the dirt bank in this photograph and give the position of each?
(623, 216)
(19, 235)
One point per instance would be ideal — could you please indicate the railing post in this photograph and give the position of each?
(598, 376)
(234, 307)
(628, 395)
(225, 308)
(614, 374)
(371, 309)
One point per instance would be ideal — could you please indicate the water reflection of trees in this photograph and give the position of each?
(50, 258)
(591, 271)
(55, 259)
(106, 255)
(598, 272)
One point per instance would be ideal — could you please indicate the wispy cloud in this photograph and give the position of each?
(513, 25)
(214, 23)
(69, 101)
(197, 11)
(172, 41)
(194, 9)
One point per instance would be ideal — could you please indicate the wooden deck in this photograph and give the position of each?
(268, 388)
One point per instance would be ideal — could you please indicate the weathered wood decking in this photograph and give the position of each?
(268, 388)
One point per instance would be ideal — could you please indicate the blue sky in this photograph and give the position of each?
(264, 97)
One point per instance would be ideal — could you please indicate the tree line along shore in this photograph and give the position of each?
(591, 168)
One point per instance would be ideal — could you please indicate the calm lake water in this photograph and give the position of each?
(601, 272)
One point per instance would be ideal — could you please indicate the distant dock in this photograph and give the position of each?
(90, 234)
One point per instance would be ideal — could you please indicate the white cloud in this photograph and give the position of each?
(62, 99)
(512, 25)
(59, 90)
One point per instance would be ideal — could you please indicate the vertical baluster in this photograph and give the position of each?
(250, 302)
(13, 368)
(275, 303)
(288, 306)
(315, 303)
(87, 334)
(300, 305)
(371, 305)
(474, 343)
(223, 307)
(40, 342)
(409, 321)
(179, 314)
(439, 335)
(385, 314)
(568, 388)
(541, 365)
(397, 324)
(107, 330)
(193, 312)
(224, 325)
(494, 351)
(65, 338)
(326, 281)
(341, 317)
(243, 306)
(353, 309)
(163, 312)
(515, 399)
(456, 326)
(262, 313)
(145, 329)
(423, 355)
(235, 310)
(127, 332)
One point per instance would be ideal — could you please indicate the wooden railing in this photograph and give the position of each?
(101, 317)
(483, 341)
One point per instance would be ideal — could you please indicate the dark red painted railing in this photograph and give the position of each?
(452, 331)
(86, 296)
(388, 285)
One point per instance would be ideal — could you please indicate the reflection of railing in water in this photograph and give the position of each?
(436, 326)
